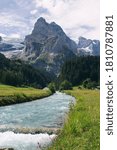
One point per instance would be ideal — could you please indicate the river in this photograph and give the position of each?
(20, 123)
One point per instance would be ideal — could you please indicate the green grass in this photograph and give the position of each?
(12, 95)
(82, 127)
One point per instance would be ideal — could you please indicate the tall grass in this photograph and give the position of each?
(12, 95)
(82, 127)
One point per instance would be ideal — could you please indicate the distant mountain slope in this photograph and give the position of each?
(11, 47)
(7, 44)
(17, 73)
(88, 47)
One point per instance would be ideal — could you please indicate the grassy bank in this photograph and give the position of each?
(12, 95)
(82, 127)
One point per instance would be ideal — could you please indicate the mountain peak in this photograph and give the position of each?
(83, 42)
(44, 30)
(82, 38)
(53, 23)
(41, 19)
(88, 46)
(40, 27)
(48, 46)
(41, 22)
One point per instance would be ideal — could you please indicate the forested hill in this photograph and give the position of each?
(18, 73)
(81, 68)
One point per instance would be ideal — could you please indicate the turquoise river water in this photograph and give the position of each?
(18, 123)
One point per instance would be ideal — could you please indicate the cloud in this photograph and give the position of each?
(76, 17)
(3, 35)
(15, 35)
(33, 12)
(8, 20)
(13, 24)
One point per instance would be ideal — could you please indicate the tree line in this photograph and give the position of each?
(18, 73)
(81, 68)
(81, 71)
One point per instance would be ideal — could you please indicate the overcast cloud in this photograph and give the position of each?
(76, 17)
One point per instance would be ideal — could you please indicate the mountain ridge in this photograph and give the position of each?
(88, 47)
(48, 47)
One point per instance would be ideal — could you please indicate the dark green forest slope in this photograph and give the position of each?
(18, 73)
(81, 68)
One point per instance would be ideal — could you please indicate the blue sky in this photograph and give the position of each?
(76, 17)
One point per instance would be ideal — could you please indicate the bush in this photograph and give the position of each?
(52, 87)
(65, 85)
(89, 84)
(80, 87)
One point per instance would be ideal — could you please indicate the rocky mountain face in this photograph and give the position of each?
(47, 47)
(88, 47)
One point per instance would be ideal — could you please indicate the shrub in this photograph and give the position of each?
(89, 84)
(65, 85)
(52, 87)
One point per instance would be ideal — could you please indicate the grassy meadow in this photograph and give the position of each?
(12, 95)
(82, 127)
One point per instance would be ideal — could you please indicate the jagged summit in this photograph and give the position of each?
(48, 46)
(88, 46)
(83, 42)
(41, 19)
(45, 30)
(53, 23)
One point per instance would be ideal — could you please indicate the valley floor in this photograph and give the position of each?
(82, 127)
(13, 95)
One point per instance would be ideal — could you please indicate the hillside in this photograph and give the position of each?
(18, 73)
(81, 68)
